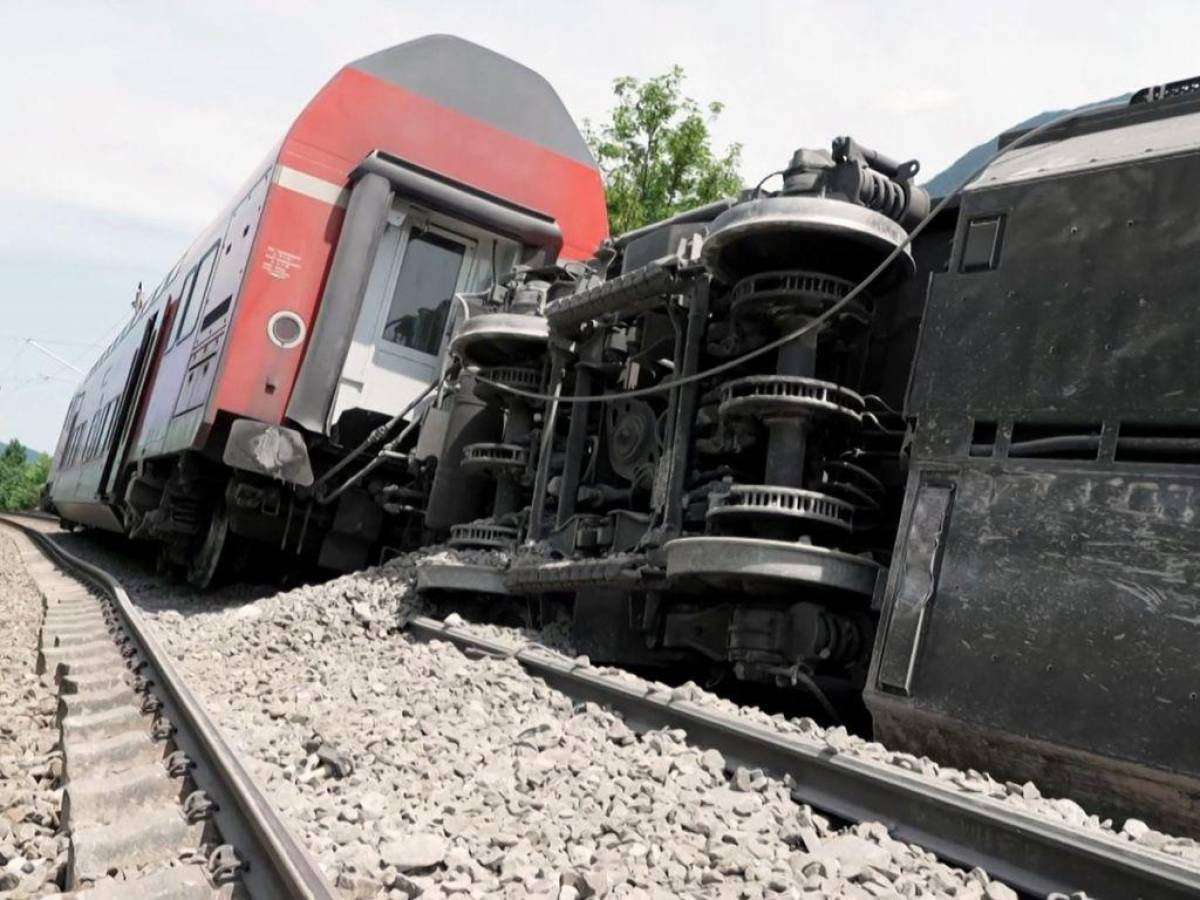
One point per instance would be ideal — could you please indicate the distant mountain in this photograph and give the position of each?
(947, 180)
(30, 455)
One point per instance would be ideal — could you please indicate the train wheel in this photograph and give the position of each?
(204, 565)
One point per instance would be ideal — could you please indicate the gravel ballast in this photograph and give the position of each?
(32, 854)
(410, 768)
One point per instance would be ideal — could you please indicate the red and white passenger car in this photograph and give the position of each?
(318, 305)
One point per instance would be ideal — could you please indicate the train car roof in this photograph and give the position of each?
(483, 84)
(1108, 134)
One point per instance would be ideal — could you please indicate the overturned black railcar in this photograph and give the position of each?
(946, 475)
(1041, 616)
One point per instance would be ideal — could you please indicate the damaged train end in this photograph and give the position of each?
(230, 418)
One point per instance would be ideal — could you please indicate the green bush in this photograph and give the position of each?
(21, 480)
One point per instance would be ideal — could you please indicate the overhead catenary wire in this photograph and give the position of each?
(816, 322)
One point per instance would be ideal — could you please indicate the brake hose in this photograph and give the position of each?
(670, 384)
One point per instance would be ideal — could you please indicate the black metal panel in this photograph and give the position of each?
(1055, 389)
(1090, 312)
(1068, 607)
(896, 322)
(917, 582)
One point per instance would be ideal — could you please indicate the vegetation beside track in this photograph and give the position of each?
(22, 475)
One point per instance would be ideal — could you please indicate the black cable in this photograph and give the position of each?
(812, 324)
(765, 179)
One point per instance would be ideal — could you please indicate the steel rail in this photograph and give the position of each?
(274, 863)
(1033, 855)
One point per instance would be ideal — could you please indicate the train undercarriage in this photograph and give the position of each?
(728, 502)
(769, 440)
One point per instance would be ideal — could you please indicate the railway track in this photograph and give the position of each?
(151, 789)
(1037, 857)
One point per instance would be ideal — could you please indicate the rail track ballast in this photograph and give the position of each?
(146, 774)
(146, 771)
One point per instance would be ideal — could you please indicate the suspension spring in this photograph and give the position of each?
(882, 194)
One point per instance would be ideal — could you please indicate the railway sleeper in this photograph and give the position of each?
(155, 803)
(130, 834)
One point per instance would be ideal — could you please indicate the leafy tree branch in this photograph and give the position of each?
(655, 152)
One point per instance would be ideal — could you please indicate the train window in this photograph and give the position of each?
(93, 437)
(95, 447)
(185, 297)
(193, 293)
(109, 419)
(425, 286)
(64, 439)
(157, 292)
(106, 426)
(101, 423)
(76, 443)
(86, 447)
(64, 459)
(216, 312)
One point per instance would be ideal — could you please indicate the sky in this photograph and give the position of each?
(125, 127)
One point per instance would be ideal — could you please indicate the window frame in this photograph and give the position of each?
(94, 439)
(185, 300)
(76, 441)
(193, 301)
(414, 222)
(91, 433)
(111, 421)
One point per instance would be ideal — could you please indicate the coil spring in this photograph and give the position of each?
(844, 639)
(880, 193)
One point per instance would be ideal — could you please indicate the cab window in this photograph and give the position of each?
(428, 277)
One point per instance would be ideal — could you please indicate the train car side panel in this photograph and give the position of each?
(94, 427)
(213, 320)
(209, 276)
(286, 271)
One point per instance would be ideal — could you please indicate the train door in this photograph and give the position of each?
(422, 263)
(130, 397)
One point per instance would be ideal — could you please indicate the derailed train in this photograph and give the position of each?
(951, 473)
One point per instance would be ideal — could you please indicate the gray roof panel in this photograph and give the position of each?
(1094, 150)
(484, 85)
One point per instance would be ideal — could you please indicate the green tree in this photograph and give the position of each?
(655, 152)
(21, 481)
